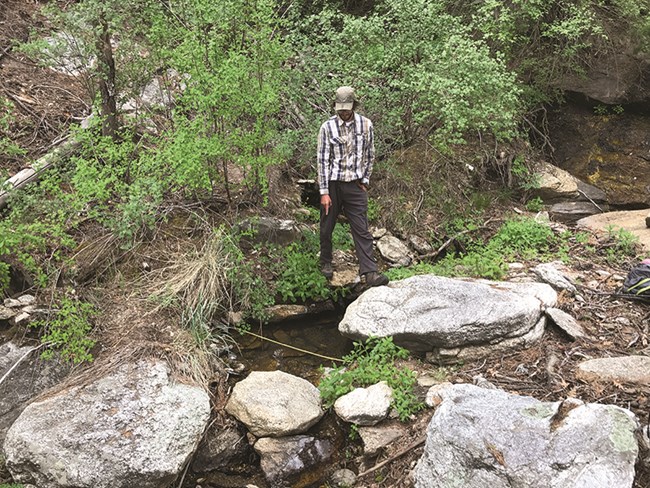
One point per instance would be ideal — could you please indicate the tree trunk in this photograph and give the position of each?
(106, 71)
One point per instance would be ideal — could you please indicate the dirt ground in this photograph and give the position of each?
(45, 103)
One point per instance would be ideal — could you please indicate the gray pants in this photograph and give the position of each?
(350, 198)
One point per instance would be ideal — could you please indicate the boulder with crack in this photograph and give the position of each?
(451, 318)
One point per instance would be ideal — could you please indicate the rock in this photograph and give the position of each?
(26, 300)
(275, 404)
(343, 478)
(647, 220)
(12, 303)
(573, 211)
(549, 273)
(427, 312)
(345, 278)
(433, 397)
(591, 193)
(28, 379)
(279, 313)
(394, 250)
(379, 437)
(420, 244)
(555, 184)
(365, 406)
(221, 446)
(19, 318)
(567, 323)
(285, 457)
(626, 369)
(613, 79)
(379, 233)
(6, 313)
(630, 220)
(132, 427)
(478, 438)
(267, 229)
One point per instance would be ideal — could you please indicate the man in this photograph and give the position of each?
(345, 157)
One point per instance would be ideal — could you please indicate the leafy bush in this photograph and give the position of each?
(301, 279)
(621, 244)
(68, 332)
(368, 364)
(524, 237)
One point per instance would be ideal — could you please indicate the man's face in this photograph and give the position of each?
(346, 115)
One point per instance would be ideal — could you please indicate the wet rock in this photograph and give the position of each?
(379, 437)
(279, 313)
(480, 438)
(566, 322)
(428, 313)
(394, 250)
(626, 369)
(549, 273)
(221, 446)
(133, 427)
(284, 457)
(275, 404)
(365, 406)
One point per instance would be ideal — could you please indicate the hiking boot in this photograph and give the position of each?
(326, 269)
(374, 278)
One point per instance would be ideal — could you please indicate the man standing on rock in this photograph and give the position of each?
(345, 157)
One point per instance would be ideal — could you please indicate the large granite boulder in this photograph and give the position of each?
(448, 316)
(132, 427)
(486, 437)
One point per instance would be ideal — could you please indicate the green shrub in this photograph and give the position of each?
(68, 333)
(301, 279)
(523, 237)
(368, 364)
(622, 244)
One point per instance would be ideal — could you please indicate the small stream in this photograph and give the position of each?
(317, 335)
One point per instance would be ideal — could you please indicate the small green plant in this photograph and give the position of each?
(402, 273)
(10, 485)
(368, 364)
(69, 331)
(535, 204)
(523, 236)
(623, 244)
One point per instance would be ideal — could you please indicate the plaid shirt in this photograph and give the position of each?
(346, 151)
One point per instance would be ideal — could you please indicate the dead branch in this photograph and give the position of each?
(399, 454)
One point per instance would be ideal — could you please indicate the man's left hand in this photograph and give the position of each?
(362, 186)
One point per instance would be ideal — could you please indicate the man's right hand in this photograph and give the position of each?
(326, 203)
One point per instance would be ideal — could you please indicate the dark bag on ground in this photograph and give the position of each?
(638, 281)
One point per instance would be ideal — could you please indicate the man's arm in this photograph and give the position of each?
(322, 160)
